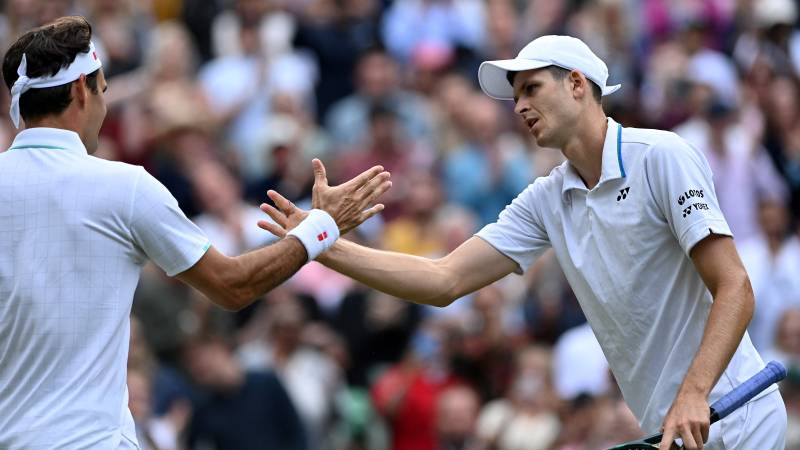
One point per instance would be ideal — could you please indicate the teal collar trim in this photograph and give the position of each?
(49, 147)
(48, 139)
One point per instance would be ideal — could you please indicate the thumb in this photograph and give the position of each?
(320, 176)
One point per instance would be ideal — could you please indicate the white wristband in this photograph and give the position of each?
(318, 232)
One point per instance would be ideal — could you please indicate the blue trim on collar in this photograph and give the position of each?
(49, 139)
(619, 150)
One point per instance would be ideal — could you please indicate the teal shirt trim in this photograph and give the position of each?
(49, 147)
(619, 150)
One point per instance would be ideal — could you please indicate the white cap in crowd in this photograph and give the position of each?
(566, 52)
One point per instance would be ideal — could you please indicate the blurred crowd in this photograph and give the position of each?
(222, 100)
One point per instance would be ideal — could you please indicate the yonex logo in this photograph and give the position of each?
(623, 193)
(322, 236)
(687, 211)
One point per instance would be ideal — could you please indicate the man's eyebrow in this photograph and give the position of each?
(524, 86)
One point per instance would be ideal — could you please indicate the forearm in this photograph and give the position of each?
(261, 270)
(420, 280)
(234, 282)
(730, 314)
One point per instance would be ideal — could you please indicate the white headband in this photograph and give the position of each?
(84, 63)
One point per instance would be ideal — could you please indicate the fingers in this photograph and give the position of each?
(692, 438)
(371, 212)
(286, 206)
(689, 437)
(272, 228)
(320, 175)
(667, 439)
(375, 187)
(276, 215)
(362, 179)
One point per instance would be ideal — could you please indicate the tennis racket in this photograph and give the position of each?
(773, 373)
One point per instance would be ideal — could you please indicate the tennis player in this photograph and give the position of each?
(635, 224)
(75, 231)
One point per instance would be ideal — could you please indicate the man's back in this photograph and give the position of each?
(72, 243)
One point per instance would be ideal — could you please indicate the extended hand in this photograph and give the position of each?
(286, 215)
(346, 203)
(688, 419)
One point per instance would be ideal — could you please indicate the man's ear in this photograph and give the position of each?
(80, 90)
(578, 84)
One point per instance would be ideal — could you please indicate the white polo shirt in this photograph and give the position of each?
(624, 248)
(75, 231)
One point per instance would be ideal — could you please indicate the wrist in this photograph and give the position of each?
(317, 232)
(692, 388)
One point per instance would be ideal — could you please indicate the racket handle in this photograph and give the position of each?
(773, 373)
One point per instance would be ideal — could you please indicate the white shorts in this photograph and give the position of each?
(760, 424)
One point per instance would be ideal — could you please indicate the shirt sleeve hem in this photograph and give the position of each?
(700, 230)
(190, 262)
(521, 267)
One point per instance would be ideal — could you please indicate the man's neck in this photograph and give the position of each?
(61, 121)
(584, 150)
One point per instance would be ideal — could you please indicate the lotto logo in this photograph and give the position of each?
(322, 236)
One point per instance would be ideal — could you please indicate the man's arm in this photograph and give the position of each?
(234, 282)
(719, 266)
(438, 282)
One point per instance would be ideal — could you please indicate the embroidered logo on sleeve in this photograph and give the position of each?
(322, 236)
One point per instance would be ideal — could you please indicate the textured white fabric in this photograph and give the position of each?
(318, 232)
(75, 231)
(624, 247)
(760, 424)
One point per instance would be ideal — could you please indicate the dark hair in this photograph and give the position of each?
(559, 73)
(48, 49)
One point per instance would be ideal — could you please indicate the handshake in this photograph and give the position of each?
(335, 209)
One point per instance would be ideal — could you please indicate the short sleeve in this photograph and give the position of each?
(161, 231)
(681, 182)
(519, 232)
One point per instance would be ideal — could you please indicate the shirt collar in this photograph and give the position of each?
(49, 138)
(611, 167)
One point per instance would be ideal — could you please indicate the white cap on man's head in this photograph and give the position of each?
(566, 52)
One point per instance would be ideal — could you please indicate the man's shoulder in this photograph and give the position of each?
(116, 170)
(553, 181)
(651, 138)
(658, 146)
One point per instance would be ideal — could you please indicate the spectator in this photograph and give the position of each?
(525, 419)
(236, 409)
(772, 260)
(407, 393)
(490, 168)
(456, 413)
(377, 82)
(312, 378)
